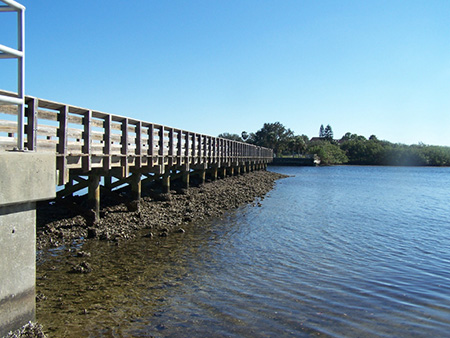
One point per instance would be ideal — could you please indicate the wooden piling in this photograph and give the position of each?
(186, 179)
(136, 186)
(166, 182)
(94, 198)
(203, 176)
(214, 173)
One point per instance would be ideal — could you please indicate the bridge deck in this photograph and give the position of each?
(94, 144)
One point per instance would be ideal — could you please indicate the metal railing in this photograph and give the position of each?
(19, 54)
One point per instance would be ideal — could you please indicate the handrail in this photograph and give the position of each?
(88, 139)
(19, 54)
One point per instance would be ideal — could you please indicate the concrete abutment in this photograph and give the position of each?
(25, 178)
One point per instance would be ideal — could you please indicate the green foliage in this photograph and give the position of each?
(328, 153)
(297, 144)
(359, 150)
(244, 135)
(321, 131)
(272, 135)
(328, 133)
(351, 148)
(362, 151)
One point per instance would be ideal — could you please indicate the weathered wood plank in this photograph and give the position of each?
(8, 109)
(8, 126)
(47, 115)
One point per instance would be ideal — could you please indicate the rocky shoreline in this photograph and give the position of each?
(60, 223)
(159, 215)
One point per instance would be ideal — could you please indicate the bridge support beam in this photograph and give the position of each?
(166, 182)
(25, 179)
(203, 176)
(186, 179)
(136, 189)
(94, 198)
(214, 172)
(224, 172)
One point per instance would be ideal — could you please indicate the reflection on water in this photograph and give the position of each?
(340, 251)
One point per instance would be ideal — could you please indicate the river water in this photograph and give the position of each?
(336, 251)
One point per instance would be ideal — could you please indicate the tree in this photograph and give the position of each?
(328, 133)
(244, 135)
(328, 153)
(297, 144)
(228, 136)
(321, 131)
(272, 135)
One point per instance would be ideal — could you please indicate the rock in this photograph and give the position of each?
(29, 330)
(59, 224)
(83, 267)
(83, 254)
(40, 296)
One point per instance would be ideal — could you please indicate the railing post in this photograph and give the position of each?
(151, 144)
(31, 128)
(161, 145)
(180, 156)
(187, 147)
(171, 144)
(138, 151)
(200, 153)
(62, 145)
(87, 124)
(124, 151)
(107, 139)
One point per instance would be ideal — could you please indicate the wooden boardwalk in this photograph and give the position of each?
(93, 147)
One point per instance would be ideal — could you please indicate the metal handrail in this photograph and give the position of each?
(19, 54)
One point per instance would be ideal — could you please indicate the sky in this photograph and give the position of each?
(366, 67)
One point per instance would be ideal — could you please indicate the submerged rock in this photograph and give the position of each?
(83, 267)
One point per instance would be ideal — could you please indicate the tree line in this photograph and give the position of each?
(349, 149)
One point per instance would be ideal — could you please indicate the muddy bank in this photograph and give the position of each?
(162, 214)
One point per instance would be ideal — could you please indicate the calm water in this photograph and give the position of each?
(336, 251)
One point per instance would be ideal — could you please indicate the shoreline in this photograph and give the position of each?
(61, 224)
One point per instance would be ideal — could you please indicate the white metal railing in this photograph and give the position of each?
(19, 54)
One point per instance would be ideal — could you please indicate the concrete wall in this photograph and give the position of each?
(24, 179)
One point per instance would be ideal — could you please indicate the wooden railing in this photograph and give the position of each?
(87, 139)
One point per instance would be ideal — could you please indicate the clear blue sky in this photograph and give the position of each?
(366, 67)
